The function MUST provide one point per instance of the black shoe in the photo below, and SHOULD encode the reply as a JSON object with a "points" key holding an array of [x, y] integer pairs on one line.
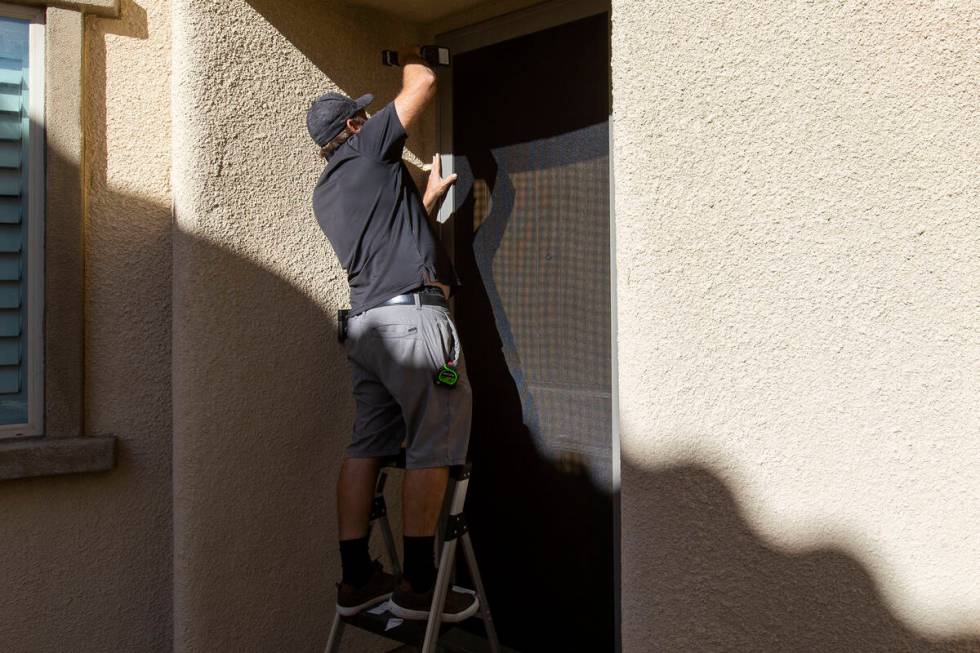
{"points": [[351, 600], [411, 605]]}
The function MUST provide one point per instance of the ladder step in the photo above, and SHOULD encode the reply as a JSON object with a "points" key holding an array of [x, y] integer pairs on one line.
{"points": [[406, 631], [456, 640], [450, 637]]}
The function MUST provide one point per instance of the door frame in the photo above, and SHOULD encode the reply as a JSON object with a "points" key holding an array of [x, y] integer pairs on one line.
{"points": [[494, 30], [489, 32]]}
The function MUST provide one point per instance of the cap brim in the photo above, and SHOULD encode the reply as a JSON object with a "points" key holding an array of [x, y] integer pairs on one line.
{"points": [[364, 100]]}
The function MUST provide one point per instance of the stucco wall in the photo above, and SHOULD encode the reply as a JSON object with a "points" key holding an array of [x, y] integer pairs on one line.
{"points": [[799, 325], [262, 403], [798, 332], [86, 562]]}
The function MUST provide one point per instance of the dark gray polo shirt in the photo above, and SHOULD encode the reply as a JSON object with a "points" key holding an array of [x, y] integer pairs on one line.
{"points": [[367, 204]]}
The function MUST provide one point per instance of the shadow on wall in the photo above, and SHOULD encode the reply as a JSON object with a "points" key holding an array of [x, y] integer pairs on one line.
{"points": [[87, 558], [97, 570], [254, 560], [712, 583], [329, 34], [256, 532], [263, 406], [715, 585]]}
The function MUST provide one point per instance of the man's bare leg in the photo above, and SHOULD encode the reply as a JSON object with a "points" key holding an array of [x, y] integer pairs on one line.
{"points": [[355, 491], [423, 493], [422, 498]]}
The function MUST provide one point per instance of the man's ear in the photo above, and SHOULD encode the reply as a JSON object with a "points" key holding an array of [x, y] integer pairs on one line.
{"points": [[354, 125]]}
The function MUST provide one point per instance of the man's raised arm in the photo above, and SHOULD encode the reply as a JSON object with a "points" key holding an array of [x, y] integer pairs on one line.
{"points": [[418, 86]]}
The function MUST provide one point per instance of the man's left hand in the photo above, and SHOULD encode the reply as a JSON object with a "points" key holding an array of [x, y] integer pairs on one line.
{"points": [[437, 185]]}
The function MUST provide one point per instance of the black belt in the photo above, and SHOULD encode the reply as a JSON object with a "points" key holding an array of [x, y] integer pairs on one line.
{"points": [[427, 295]]}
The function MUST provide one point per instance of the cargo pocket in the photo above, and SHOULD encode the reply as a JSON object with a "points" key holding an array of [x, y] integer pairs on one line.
{"points": [[455, 348], [437, 337]]}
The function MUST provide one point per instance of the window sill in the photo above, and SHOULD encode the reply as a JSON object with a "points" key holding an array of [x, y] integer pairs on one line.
{"points": [[28, 457]]}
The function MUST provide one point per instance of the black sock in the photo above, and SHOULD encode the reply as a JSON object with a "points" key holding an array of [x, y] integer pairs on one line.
{"points": [[420, 569], [355, 559]]}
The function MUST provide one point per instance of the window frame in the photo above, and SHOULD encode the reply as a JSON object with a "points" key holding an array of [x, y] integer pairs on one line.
{"points": [[34, 274]]}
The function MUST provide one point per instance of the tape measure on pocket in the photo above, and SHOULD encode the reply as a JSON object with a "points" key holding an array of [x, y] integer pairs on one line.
{"points": [[446, 376]]}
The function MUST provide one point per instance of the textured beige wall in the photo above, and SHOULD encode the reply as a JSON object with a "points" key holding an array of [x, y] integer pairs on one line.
{"points": [[64, 310], [797, 304], [799, 325], [86, 562], [262, 403]]}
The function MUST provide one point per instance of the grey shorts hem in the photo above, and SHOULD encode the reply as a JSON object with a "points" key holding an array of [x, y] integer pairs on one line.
{"points": [[430, 464], [349, 453]]}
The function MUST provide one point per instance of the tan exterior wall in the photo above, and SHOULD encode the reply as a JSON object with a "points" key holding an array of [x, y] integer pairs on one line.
{"points": [[796, 216], [262, 403], [797, 327], [86, 562]]}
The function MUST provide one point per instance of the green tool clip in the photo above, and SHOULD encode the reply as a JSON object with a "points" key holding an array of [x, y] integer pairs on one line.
{"points": [[447, 376]]}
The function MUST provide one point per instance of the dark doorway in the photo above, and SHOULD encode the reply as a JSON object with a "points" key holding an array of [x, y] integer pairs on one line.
{"points": [[531, 245]]}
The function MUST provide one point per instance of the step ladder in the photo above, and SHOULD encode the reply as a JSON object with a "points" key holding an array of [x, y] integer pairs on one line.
{"points": [[452, 530]]}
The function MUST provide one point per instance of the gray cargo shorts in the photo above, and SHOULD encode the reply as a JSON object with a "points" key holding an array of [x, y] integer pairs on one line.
{"points": [[394, 353]]}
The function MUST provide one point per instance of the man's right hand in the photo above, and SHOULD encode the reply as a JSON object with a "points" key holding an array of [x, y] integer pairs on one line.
{"points": [[409, 53]]}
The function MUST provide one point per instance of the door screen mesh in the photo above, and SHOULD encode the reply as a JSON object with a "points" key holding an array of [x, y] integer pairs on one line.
{"points": [[541, 244], [531, 246]]}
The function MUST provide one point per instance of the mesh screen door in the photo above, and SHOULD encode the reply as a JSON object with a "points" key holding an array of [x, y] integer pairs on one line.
{"points": [[531, 244]]}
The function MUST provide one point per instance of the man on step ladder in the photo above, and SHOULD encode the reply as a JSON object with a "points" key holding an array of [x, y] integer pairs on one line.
{"points": [[409, 377]]}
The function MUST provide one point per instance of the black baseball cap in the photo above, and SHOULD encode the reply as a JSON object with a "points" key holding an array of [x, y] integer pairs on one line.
{"points": [[328, 114]]}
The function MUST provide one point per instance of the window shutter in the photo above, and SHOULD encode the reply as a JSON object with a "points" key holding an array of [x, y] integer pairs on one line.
{"points": [[14, 131]]}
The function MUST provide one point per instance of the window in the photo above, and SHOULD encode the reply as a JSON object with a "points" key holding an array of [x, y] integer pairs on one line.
{"points": [[21, 220]]}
